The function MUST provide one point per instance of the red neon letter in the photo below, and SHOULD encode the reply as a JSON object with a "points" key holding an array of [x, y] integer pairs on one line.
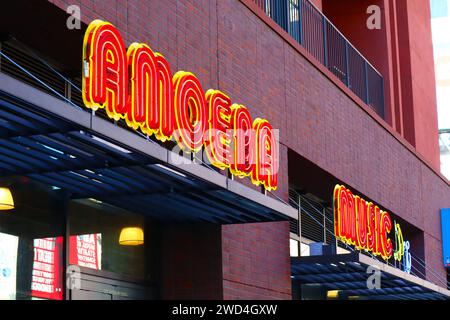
{"points": [[377, 249], [219, 140], [336, 207], [243, 141], [190, 111], [265, 168], [351, 218], [143, 110], [385, 228], [361, 221], [151, 100], [105, 76], [371, 235], [343, 215], [165, 98]]}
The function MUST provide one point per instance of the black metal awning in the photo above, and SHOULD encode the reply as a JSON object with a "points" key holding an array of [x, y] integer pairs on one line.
{"points": [[347, 274], [65, 147]]}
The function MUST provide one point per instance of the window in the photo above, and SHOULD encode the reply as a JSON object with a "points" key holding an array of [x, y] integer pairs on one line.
{"points": [[305, 250], [95, 229], [299, 248], [31, 243], [294, 247]]}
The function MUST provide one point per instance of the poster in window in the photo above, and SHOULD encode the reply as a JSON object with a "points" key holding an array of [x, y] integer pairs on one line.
{"points": [[86, 251], [47, 269]]}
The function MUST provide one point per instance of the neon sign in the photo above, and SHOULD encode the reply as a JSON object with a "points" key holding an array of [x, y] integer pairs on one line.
{"points": [[137, 85], [401, 252], [361, 223], [364, 225]]}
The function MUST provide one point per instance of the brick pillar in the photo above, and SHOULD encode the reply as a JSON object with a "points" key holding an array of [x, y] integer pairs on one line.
{"points": [[191, 262], [240, 261], [256, 261]]}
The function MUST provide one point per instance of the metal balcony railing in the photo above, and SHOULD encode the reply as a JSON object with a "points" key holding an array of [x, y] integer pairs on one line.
{"points": [[313, 31]]}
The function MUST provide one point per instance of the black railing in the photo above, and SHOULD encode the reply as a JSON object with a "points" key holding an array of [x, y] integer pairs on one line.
{"points": [[313, 31]]}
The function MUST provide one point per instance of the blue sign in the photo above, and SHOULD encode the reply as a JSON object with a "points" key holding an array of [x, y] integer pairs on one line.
{"points": [[445, 220]]}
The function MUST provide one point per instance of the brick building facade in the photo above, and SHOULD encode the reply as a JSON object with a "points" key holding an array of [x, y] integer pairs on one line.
{"points": [[234, 46]]}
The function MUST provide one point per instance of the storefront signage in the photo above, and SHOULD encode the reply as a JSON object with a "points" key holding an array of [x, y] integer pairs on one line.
{"points": [[364, 225], [361, 223], [47, 269], [86, 250], [445, 222], [137, 85]]}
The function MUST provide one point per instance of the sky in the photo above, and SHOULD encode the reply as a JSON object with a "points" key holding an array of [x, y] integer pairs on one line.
{"points": [[440, 22], [441, 43]]}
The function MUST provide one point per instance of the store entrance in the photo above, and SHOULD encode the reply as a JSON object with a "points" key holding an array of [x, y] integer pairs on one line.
{"points": [[94, 287], [53, 247], [108, 257]]}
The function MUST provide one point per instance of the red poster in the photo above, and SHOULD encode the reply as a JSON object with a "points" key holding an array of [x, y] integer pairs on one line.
{"points": [[85, 251], [46, 280]]}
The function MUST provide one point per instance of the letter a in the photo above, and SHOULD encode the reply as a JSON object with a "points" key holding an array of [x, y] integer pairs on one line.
{"points": [[374, 21]]}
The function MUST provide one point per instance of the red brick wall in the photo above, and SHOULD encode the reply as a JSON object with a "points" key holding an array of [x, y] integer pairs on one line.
{"points": [[317, 3], [232, 49], [350, 18], [406, 27], [204, 261], [256, 263], [191, 262], [418, 77]]}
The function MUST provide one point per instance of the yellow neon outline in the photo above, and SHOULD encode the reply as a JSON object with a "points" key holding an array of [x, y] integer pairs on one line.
{"points": [[163, 108], [398, 254], [336, 191]]}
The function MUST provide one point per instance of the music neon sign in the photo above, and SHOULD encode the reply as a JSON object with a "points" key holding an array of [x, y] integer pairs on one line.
{"points": [[361, 223], [136, 84]]}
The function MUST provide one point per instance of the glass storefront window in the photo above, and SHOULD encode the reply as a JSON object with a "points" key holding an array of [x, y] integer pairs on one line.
{"points": [[8, 266], [31, 243], [95, 229]]}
